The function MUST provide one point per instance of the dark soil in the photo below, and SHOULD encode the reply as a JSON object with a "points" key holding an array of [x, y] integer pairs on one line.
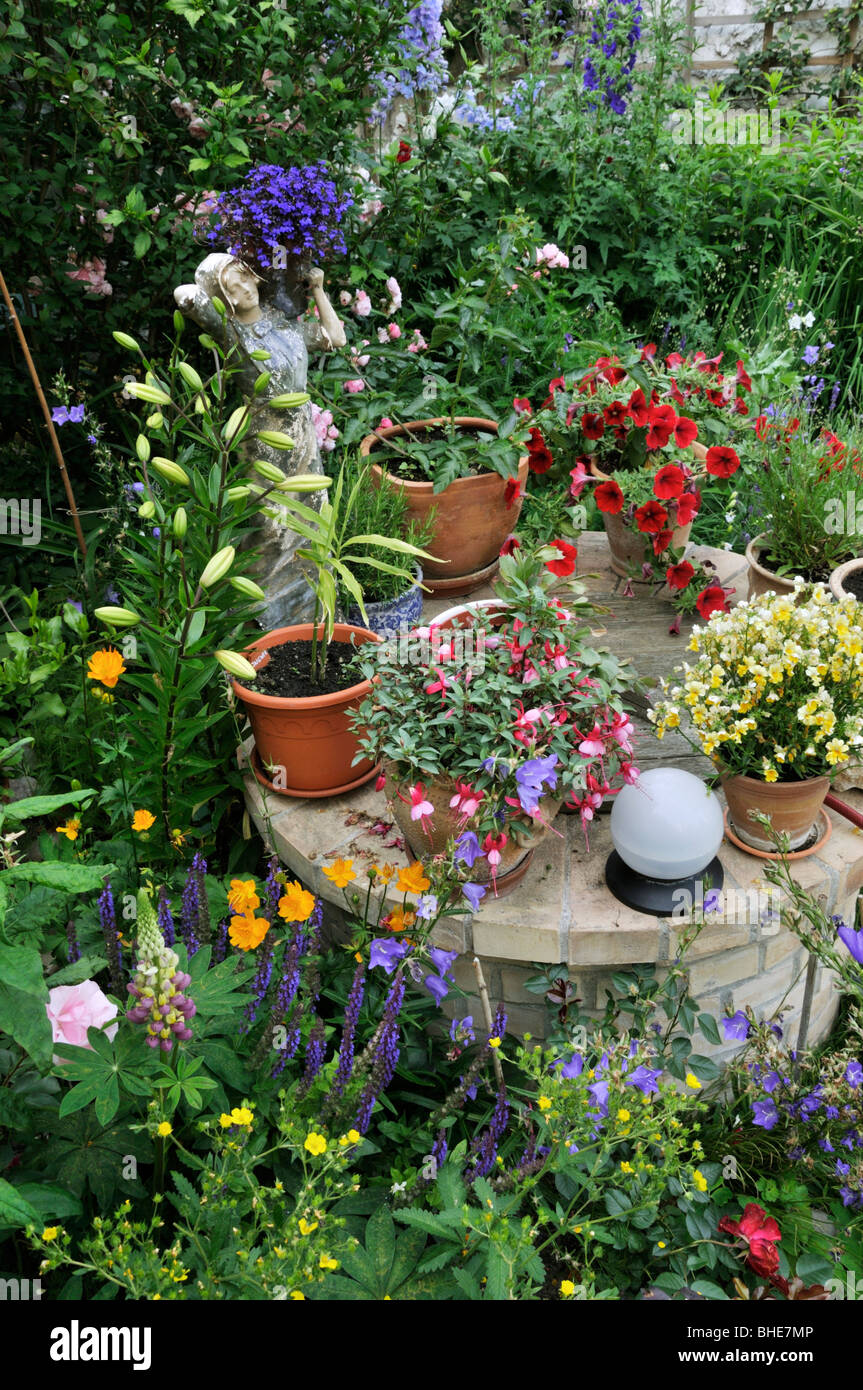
{"points": [[287, 671], [407, 469], [853, 584]]}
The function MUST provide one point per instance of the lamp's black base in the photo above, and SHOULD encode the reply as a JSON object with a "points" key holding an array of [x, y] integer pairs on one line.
{"points": [[661, 897]]}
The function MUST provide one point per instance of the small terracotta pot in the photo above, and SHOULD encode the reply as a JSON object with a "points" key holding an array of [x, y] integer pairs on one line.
{"points": [[523, 835], [762, 580], [837, 587], [310, 737], [629, 548], [472, 520], [792, 807]]}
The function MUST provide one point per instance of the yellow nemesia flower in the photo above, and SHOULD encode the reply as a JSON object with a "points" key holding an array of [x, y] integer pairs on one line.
{"points": [[142, 820], [341, 873], [315, 1144], [70, 829], [413, 879], [106, 666], [297, 904]]}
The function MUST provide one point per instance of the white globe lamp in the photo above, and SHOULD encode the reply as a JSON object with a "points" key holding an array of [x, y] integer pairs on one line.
{"points": [[666, 829]]}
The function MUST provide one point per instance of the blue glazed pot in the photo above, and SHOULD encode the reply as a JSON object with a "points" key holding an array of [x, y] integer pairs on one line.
{"points": [[386, 618]]}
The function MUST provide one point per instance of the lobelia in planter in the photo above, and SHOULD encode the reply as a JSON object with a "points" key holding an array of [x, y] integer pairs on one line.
{"points": [[305, 745]]}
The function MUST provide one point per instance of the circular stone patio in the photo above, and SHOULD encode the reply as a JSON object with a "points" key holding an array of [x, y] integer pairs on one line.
{"points": [[562, 914]]}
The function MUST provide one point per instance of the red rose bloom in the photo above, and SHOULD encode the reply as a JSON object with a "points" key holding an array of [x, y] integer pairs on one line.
{"points": [[521, 405], [609, 497], [662, 420], [566, 564], [687, 507], [539, 455], [616, 414], [669, 481], [592, 426], [685, 431], [651, 518], [638, 408], [510, 545], [404, 153], [722, 461], [760, 1232], [711, 600], [511, 492], [743, 379], [678, 576]]}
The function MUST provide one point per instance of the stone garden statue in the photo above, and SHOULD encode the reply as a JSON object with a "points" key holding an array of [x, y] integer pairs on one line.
{"points": [[274, 325]]}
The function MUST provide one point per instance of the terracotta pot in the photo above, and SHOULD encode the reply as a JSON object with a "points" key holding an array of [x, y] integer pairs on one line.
{"points": [[792, 807], [629, 548], [837, 587], [523, 834], [762, 580], [309, 738], [472, 520]]}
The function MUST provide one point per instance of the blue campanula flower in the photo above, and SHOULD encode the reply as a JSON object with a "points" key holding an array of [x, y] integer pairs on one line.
{"points": [[736, 1028]]}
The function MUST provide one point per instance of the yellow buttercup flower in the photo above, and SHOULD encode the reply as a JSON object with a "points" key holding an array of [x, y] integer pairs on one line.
{"points": [[413, 879], [243, 896], [700, 1180], [341, 873], [105, 666], [567, 1288], [164, 1130], [544, 1103], [315, 1144], [306, 1227], [51, 1233], [692, 1081], [240, 1115], [142, 820], [71, 828], [296, 904]]}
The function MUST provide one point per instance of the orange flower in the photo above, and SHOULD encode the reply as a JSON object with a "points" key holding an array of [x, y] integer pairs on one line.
{"points": [[106, 666], [242, 895], [398, 919], [247, 932], [142, 820], [341, 873], [297, 904], [385, 872], [70, 829], [412, 879]]}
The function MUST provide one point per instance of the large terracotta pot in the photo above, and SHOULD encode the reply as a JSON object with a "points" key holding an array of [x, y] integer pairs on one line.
{"points": [[523, 834], [793, 807], [472, 520], [305, 746], [837, 579], [762, 580]]}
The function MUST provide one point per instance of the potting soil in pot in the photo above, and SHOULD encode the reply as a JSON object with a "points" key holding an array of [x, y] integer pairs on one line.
{"points": [[287, 671], [853, 584]]}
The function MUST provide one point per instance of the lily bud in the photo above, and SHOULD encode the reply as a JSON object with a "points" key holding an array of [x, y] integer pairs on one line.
{"points": [[240, 415], [155, 421], [141, 391], [217, 567], [276, 439], [170, 470], [236, 664], [125, 341], [290, 400], [270, 471], [146, 509], [180, 523], [237, 494], [190, 376], [142, 448], [248, 587], [116, 617]]}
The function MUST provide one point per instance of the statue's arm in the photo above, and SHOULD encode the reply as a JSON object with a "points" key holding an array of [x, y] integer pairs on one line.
{"points": [[195, 304], [332, 329]]}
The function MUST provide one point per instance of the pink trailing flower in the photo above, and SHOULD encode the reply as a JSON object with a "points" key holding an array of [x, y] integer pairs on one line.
{"points": [[353, 386], [630, 773], [466, 801], [386, 423], [421, 808], [92, 274], [393, 331], [381, 781], [492, 847], [594, 745], [621, 731], [580, 478], [440, 684], [524, 729]]}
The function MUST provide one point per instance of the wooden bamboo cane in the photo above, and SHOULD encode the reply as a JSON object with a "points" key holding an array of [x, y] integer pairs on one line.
{"points": [[58, 453]]}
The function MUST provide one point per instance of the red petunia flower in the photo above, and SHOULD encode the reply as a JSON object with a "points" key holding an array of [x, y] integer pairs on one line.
{"points": [[521, 405], [609, 497], [638, 408], [678, 576], [721, 461], [661, 420], [556, 385], [715, 396], [673, 360], [539, 454], [648, 352], [687, 507], [662, 540], [676, 394], [592, 426], [711, 600], [609, 371], [511, 492], [616, 414], [743, 378], [669, 481], [404, 153], [740, 407], [566, 564], [707, 364], [651, 518], [792, 427], [685, 431], [510, 545]]}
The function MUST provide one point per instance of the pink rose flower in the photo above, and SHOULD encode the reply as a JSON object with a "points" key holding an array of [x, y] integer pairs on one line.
{"points": [[395, 294], [345, 298], [362, 304], [352, 387], [386, 423], [394, 331], [72, 1009]]}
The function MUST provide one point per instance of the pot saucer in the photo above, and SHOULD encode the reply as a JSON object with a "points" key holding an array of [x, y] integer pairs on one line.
{"points": [[824, 827], [464, 583], [257, 768]]}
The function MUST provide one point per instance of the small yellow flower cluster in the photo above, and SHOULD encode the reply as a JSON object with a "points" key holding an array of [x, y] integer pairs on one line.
{"points": [[777, 689]]}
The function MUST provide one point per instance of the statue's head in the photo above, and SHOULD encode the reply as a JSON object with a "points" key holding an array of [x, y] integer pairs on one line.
{"points": [[222, 275]]}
